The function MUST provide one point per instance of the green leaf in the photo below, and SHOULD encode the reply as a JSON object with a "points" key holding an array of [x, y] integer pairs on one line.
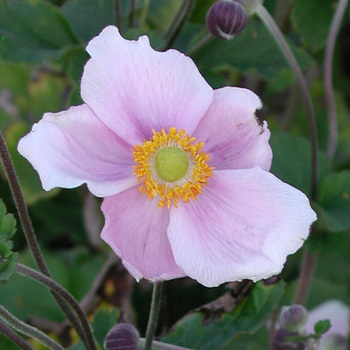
{"points": [[312, 19], [8, 266], [88, 18], [334, 198], [253, 50], [321, 327], [33, 31], [292, 161], [103, 321], [249, 315], [7, 223], [14, 77]]}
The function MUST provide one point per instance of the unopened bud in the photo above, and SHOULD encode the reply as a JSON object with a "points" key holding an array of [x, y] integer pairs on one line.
{"points": [[122, 336], [293, 318], [227, 18]]}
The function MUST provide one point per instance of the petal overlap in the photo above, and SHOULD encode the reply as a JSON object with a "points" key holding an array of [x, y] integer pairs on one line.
{"points": [[134, 89], [243, 226], [231, 132], [135, 228], [74, 147]]}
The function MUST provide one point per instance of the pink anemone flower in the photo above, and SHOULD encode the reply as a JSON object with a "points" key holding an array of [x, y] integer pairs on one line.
{"points": [[183, 168]]}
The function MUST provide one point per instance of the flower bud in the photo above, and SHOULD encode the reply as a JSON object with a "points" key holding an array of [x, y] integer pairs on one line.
{"points": [[122, 336], [227, 18], [293, 318]]}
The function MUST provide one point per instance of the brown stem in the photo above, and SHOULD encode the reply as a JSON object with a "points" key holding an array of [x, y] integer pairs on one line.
{"points": [[29, 231], [304, 283], [14, 337]]}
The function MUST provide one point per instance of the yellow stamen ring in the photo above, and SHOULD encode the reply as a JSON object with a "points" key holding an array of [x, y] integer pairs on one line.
{"points": [[159, 178]]}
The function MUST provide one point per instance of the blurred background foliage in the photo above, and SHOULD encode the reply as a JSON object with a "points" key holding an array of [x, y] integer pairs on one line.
{"points": [[42, 55]]}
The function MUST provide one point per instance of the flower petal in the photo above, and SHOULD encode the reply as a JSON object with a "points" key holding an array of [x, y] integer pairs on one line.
{"points": [[74, 147], [232, 134], [134, 89], [135, 229], [243, 225]]}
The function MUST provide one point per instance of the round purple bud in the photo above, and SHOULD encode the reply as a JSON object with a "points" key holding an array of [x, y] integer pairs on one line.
{"points": [[293, 318], [122, 336], [226, 18]]}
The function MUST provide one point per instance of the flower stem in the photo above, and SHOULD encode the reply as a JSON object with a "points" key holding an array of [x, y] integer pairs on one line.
{"points": [[162, 346], [270, 24], [304, 283], [28, 330], [328, 63], [29, 231], [14, 337], [58, 289], [132, 13], [154, 314], [118, 15], [144, 13], [179, 21]]}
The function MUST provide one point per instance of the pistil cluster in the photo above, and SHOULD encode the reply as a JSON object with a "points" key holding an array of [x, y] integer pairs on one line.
{"points": [[152, 175]]}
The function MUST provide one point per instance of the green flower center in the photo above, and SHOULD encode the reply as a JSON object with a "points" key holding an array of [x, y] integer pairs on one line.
{"points": [[171, 163]]}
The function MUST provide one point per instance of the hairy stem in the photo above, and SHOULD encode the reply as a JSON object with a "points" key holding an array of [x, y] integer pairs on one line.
{"points": [[154, 314], [328, 63], [283, 45], [58, 289], [179, 21], [14, 337], [29, 231], [162, 346], [30, 331]]}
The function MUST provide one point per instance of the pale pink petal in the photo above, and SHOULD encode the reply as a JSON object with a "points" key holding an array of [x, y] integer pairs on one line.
{"points": [[135, 229], [232, 134], [339, 315], [134, 89], [74, 147], [243, 225]]}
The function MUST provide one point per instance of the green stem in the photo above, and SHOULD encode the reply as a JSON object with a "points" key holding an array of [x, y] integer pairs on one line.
{"points": [[162, 346], [29, 231], [270, 24], [179, 21], [28, 330], [328, 63], [14, 337], [144, 14], [59, 290], [154, 314]]}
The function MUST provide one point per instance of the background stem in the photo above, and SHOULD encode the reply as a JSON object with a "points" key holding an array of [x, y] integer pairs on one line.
{"points": [[154, 314], [29, 231], [328, 64], [282, 43], [144, 13], [28, 330], [57, 288], [14, 337]]}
